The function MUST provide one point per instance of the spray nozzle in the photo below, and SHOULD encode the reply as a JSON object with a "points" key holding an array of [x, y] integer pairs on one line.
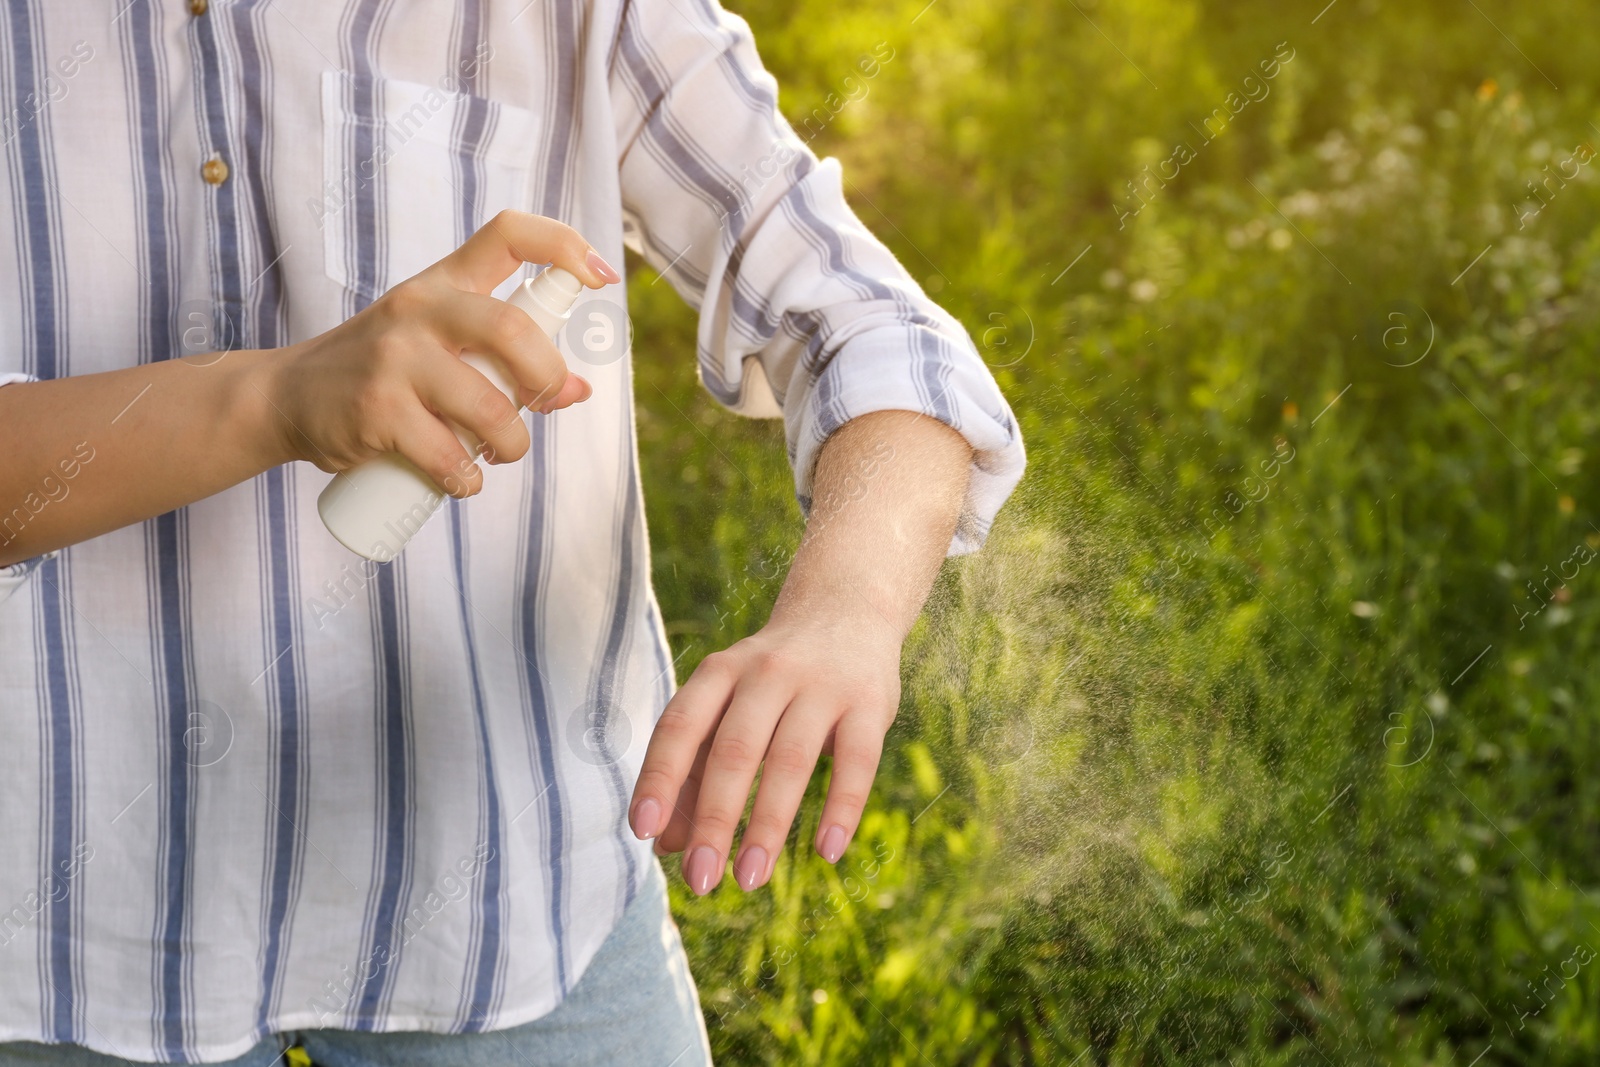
{"points": [[554, 289]]}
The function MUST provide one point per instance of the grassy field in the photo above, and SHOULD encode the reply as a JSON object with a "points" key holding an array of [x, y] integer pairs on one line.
{"points": [[1264, 730]]}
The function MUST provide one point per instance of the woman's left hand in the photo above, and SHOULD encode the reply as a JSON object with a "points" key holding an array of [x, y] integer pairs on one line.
{"points": [[777, 700]]}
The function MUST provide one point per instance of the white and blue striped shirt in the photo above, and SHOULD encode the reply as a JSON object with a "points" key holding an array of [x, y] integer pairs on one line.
{"points": [[250, 783]]}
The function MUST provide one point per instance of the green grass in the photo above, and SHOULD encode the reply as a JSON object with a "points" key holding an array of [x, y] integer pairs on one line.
{"points": [[1281, 776]]}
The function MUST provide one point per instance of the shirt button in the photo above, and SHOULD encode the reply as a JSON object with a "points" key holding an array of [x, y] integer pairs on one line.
{"points": [[198, 7], [214, 170]]}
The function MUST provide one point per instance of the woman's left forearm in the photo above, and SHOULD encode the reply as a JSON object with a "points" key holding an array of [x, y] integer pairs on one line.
{"points": [[823, 676], [887, 493]]}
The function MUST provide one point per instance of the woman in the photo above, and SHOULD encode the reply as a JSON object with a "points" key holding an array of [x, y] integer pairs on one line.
{"points": [[263, 793]]}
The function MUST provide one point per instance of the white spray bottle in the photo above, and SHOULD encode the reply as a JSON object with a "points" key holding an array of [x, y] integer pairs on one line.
{"points": [[375, 508]]}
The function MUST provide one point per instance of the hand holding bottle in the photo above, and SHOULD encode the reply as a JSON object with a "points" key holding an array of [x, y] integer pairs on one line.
{"points": [[391, 380]]}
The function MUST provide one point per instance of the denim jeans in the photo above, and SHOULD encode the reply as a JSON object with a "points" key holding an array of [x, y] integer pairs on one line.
{"points": [[636, 1004]]}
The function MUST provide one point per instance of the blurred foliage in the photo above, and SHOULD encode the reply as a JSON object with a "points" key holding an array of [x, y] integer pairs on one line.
{"points": [[1257, 732]]}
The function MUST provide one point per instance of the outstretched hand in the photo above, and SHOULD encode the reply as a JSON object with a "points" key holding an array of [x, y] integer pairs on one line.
{"points": [[823, 676], [800, 687]]}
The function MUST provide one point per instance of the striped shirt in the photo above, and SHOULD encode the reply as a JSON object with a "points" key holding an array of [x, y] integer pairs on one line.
{"points": [[250, 782]]}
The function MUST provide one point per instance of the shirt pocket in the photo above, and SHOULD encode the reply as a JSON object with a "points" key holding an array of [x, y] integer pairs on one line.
{"points": [[409, 170]]}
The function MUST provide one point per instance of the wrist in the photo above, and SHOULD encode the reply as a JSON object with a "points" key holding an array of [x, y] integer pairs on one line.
{"points": [[258, 401], [857, 611]]}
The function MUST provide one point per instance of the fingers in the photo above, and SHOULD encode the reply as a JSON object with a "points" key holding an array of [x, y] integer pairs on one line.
{"points": [[432, 446], [513, 238], [790, 759], [741, 741], [857, 747], [743, 711], [575, 389], [680, 825], [690, 717], [459, 393], [481, 324]]}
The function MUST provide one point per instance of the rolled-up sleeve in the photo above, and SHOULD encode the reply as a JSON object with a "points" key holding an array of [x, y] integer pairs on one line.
{"points": [[802, 311], [13, 577]]}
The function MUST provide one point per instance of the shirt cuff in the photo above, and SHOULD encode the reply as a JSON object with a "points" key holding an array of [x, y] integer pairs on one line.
{"points": [[13, 577], [924, 370]]}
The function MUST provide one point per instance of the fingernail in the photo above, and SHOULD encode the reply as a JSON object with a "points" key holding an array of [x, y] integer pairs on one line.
{"points": [[602, 268], [588, 389], [646, 818], [703, 870], [750, 868], [832, 844]]}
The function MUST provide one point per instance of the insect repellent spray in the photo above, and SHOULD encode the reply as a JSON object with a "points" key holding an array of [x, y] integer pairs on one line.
{"points": [[376, 507]]}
